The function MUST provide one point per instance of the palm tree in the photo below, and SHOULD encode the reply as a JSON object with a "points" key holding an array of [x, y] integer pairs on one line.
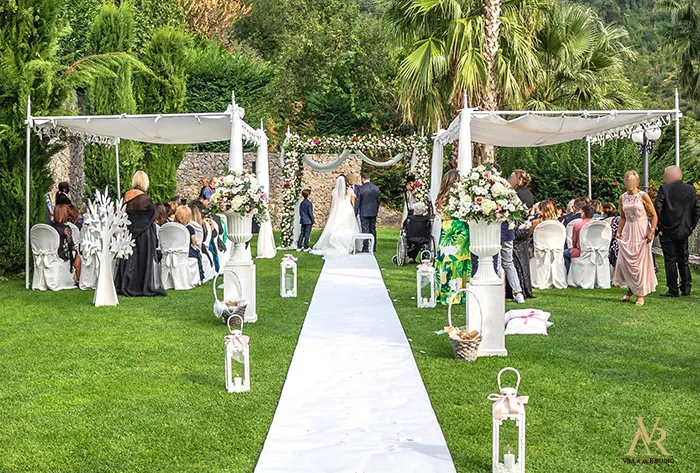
{"points": [[582, 61], [684, 36], [451, 48]]}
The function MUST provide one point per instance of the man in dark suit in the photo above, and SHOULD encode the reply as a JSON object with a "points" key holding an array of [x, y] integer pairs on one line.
{"points": [[367, 207], [306, 219], [679, 211]]}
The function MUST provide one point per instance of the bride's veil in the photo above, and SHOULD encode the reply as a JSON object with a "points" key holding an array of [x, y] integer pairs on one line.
{"points": [[339, 194]]}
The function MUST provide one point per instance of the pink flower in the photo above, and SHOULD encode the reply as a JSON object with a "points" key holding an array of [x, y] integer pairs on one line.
{"points": [[354, 138], [416, 184], [487, 175], [478, 200], [287, 185], [317, 141]]}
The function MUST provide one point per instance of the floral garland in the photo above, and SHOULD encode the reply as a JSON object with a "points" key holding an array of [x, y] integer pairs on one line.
{"points": [[296, 147]]}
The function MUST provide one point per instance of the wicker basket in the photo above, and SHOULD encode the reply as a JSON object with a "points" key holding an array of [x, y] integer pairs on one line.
{"points": [[465, 349], [221, 310]]}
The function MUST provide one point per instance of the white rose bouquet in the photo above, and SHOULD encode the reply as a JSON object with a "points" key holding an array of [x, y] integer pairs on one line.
{"points": [[239, 192], [483, 195]]}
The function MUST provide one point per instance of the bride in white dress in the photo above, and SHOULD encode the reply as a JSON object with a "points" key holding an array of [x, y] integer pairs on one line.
{"points": [[342, 225]]}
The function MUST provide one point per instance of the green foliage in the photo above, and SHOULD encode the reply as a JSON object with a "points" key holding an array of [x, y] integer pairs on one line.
{"points": [[214, 73], [150, 16], [28, 66], [77, 16], [112, 32], [167, 55]]}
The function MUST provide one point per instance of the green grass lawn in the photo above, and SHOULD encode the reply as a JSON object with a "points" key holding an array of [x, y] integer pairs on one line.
{"points": [[140, 388], [603, 364]]}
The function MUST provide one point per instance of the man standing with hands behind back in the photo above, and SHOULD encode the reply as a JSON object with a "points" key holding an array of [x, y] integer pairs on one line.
{"points": [[679, 211], [367, 207]]}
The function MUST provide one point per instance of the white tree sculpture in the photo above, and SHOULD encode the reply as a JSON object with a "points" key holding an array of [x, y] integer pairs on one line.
{"points": [[108, 236]]}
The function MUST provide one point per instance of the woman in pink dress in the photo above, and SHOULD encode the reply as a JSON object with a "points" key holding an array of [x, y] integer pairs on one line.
{"points": [[635, 264]]}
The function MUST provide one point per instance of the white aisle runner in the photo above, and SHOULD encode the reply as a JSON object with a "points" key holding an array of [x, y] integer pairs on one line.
{"points": [[353, 401]]}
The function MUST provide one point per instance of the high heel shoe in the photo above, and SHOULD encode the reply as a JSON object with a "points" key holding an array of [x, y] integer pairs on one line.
{"points": [[640, 302]]}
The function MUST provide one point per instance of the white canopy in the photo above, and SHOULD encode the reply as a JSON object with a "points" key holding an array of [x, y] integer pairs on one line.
{"points": [[531, 129]]}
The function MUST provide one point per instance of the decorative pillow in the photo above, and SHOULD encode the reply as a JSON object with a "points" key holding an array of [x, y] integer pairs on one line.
{"points": [[527, 322]]}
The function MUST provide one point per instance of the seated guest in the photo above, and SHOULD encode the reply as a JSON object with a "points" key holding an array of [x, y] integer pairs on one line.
{"points": [[162, 214], [575, 250], [598, 213], [612, 219], [575, 214], [418, 230], [74, 217], [136, 276], [547, 211], [67, 250], [62, 194], [183, 216]]}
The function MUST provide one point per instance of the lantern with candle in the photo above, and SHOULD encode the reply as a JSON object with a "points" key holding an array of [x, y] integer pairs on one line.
{"points": [[237, 357], [425, 285], [288, 276], [508, 406]]}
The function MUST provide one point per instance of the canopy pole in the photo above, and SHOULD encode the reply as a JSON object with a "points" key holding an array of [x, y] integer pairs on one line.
{"points": [[235, 158], [26, 193], [590, 177], [678, 129], [464, 157], [116, 154]]}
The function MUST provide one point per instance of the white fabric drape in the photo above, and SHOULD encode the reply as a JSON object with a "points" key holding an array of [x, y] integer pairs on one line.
{"points": [[266, 237], [436, 165], [328, 167]]}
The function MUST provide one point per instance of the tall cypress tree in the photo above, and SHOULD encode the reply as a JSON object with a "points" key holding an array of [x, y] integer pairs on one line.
{"points": [[112, 32], [167, 54], [28, 66]]}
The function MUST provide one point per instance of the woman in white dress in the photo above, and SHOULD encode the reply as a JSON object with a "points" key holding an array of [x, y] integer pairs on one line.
{"points": [[337, 236]]}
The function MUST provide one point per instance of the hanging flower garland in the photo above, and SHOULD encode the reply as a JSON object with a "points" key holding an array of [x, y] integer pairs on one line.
{"points": [[296, 147]]}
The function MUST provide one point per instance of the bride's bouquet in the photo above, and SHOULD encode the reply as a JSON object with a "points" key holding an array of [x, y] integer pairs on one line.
{"points": [[483, 195], [239, 192]]}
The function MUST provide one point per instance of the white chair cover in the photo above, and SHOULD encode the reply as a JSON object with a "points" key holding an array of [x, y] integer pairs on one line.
{"points": [[177, 270], [207, 264], [570, 233], [90, 263], [50, 271], [547, 267], [77, 235], [592, 268]]}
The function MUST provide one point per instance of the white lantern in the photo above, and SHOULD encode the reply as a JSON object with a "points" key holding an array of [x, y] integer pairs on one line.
{"points": [[425, 285], [237, 358], [508, 406], [288, 276]]}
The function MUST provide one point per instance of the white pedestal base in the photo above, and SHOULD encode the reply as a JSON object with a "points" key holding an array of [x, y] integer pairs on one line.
{"points": [[245, 270], [491, 296]]}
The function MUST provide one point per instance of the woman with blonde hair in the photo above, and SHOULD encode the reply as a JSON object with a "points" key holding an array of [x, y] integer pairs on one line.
{"points": [[635, 264], [137, 275], [453, 260]]}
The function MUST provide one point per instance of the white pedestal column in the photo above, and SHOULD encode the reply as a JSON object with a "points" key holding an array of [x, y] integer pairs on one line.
{"points": [[241, 263], [487, 287]]}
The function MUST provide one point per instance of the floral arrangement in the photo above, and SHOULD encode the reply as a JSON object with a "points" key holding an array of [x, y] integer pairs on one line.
{"points": [[296, 146], [239, 192], [483, 195]]}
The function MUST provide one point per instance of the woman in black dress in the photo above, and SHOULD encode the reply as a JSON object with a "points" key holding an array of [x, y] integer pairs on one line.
{"points": [[67, 249], [62, 194], [136, 276], [520, 180]]}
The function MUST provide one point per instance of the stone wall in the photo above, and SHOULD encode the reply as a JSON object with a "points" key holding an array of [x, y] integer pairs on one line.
{"points": [[196, 166]]}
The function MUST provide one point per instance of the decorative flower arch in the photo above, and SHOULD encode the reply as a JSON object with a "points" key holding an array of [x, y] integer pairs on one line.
{"points": [[296, 148]]}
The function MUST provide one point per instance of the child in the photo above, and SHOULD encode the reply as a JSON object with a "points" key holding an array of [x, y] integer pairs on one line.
{"points": [[306, 218]]}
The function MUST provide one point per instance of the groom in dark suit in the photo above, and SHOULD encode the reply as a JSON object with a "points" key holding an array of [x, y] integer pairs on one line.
{"points": [[679, 211], [367, 207]]}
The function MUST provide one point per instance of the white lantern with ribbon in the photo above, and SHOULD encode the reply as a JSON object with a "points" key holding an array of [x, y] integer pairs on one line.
{"points": [[288, 276], [237, 358], [425, 285], [508, 406]]}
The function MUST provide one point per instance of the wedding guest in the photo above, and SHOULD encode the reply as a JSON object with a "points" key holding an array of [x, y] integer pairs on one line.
{"points": [[206, 191], [587, 214], [67, 249], [575, 213], [520, 180], [597, 210], [417, 230], [508, 263], [453, 260], [547, 211], [136, 276], [635, 265], [409, 195], [612, 219], [75, 217], [201, 233], [183, 216], [162, 214], [62, 197], [679, 211], [306, 218]]}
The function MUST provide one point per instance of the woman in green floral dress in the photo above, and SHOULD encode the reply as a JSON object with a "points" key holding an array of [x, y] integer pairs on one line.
{"points": [[453, 261]]}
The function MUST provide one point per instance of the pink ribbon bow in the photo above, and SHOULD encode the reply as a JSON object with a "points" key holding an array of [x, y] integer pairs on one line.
{"points": [[425, 268], [507, 403], [238, 340], [526, 317]]}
